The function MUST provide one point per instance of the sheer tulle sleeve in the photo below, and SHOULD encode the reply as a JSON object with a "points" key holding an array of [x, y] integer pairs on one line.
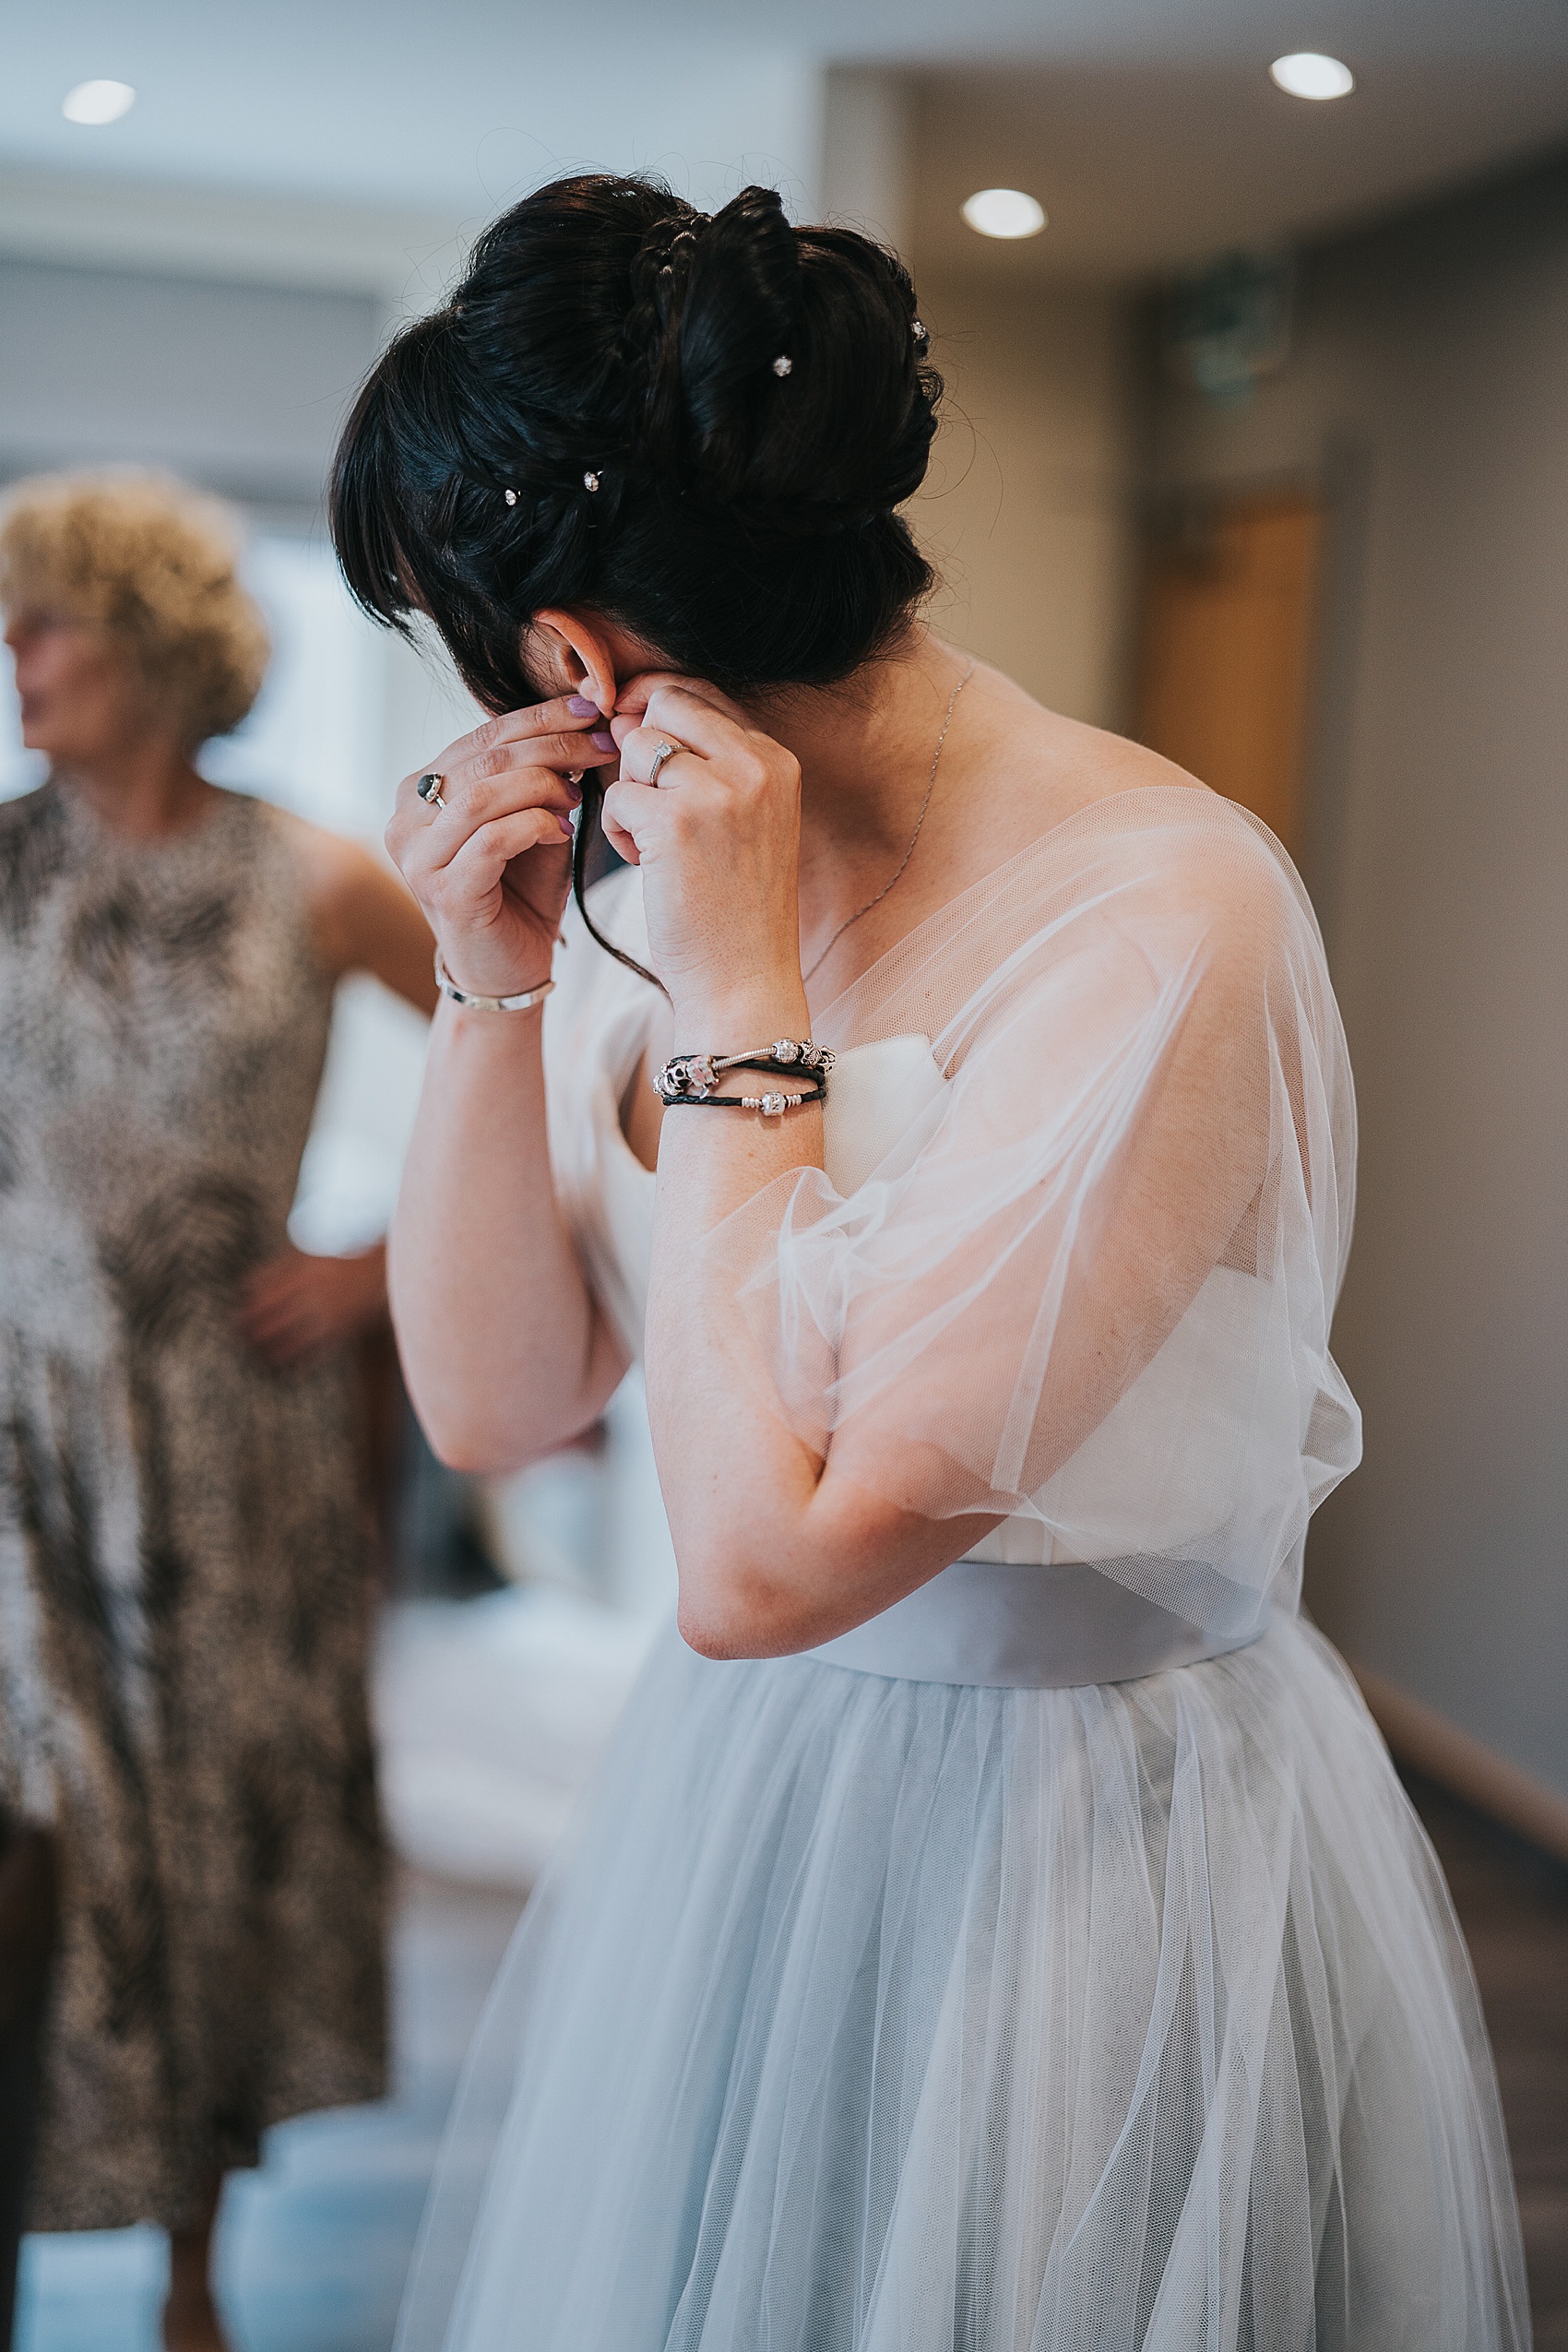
{"points": [[1090, 1287]]}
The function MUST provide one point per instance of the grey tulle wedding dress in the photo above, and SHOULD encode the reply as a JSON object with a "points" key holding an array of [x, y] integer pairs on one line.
{"points": [[1053, 1964]]}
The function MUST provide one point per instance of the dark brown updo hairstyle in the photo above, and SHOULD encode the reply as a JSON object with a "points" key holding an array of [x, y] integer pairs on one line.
{"points": [[700, 428]]}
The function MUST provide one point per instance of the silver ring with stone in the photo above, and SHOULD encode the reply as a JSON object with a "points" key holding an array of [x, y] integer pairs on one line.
{"points": [[661, 752], [428, 790]]}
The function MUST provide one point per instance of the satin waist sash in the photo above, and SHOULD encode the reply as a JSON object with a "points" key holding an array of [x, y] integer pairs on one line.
{"points": [[1026, 1628]]}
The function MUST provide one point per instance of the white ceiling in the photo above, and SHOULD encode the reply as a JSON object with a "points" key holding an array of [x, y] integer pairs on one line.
{"points": [[1142, 168], [399, 102], [1148, 127]]}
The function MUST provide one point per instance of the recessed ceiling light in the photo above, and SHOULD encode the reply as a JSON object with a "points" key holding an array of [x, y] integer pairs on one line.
{"points": [[98, 102], [1304, 74], [1004, 212]]}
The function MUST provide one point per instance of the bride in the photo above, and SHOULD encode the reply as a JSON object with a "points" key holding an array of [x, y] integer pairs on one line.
{"points": [[999, 1925]]}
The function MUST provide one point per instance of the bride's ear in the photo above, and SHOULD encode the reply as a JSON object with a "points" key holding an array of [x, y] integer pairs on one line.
{"points": [[573, 652]]}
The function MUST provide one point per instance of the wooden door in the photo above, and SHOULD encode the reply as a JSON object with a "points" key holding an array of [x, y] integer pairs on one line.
{"points": [[1227, 653]]}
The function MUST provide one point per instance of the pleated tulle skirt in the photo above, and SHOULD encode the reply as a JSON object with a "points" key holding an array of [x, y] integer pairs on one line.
{"points": [[869, 2015]]}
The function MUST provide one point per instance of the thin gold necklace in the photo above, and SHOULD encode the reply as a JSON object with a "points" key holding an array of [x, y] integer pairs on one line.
{"points": [[806, 977]]}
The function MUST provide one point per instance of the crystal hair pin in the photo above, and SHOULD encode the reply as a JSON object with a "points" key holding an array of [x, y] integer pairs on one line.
{"points": [[918, 331], [590, 480], [782, 364]]}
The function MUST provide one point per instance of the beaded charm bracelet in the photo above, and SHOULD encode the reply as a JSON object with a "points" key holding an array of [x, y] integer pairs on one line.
{"points": [[691, 1078]]}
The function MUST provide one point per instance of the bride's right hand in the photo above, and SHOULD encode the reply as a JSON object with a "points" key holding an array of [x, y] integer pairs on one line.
{"points": [[491, 870]]}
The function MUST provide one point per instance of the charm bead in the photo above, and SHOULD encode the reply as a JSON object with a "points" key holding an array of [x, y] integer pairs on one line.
{"points": [[774, 1106], [688, 1076]]}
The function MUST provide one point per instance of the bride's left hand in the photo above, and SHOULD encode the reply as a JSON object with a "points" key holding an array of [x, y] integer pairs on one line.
{"points": [[718, 844]]}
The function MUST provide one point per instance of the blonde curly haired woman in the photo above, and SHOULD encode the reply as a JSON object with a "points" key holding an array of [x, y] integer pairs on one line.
{"points": [[184, 1585]]}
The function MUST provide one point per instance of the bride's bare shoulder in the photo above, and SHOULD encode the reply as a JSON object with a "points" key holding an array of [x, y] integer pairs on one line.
{"points": [[1035, 769], [1023, 771], [1053, 766]]}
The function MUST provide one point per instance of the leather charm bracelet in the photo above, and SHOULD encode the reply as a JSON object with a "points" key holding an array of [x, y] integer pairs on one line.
{"points": [[772, 1104], [692, 1078]]}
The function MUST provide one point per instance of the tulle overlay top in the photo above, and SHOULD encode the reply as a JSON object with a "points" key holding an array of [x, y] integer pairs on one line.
{"points": [[1055, 1964], [1090, 1156]]}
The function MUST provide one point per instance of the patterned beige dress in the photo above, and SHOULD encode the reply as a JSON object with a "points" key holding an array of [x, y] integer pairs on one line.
{"points": [[184, 1584]]}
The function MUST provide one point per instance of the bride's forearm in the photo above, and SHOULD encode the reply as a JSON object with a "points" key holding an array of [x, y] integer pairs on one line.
{"points": [[775, 1552], [505, 1352], [778, 1550]]}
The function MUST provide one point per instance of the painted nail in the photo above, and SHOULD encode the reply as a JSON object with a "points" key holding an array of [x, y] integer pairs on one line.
{"points": [[581, 707], [602, 740], [565, 822]]}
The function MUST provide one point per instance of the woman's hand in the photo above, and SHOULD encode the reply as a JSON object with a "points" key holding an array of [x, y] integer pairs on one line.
{"points": [[296, 1309], [493, 868], [718, 844]]}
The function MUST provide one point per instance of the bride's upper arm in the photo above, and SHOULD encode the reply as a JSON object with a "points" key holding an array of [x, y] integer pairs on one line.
{"points": [[1109, 1137]]}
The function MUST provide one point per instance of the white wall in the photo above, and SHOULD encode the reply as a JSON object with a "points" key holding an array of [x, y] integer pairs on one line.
{"points": [[1029, 512], [241, 385], [1431, 386], [868, 158]]}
